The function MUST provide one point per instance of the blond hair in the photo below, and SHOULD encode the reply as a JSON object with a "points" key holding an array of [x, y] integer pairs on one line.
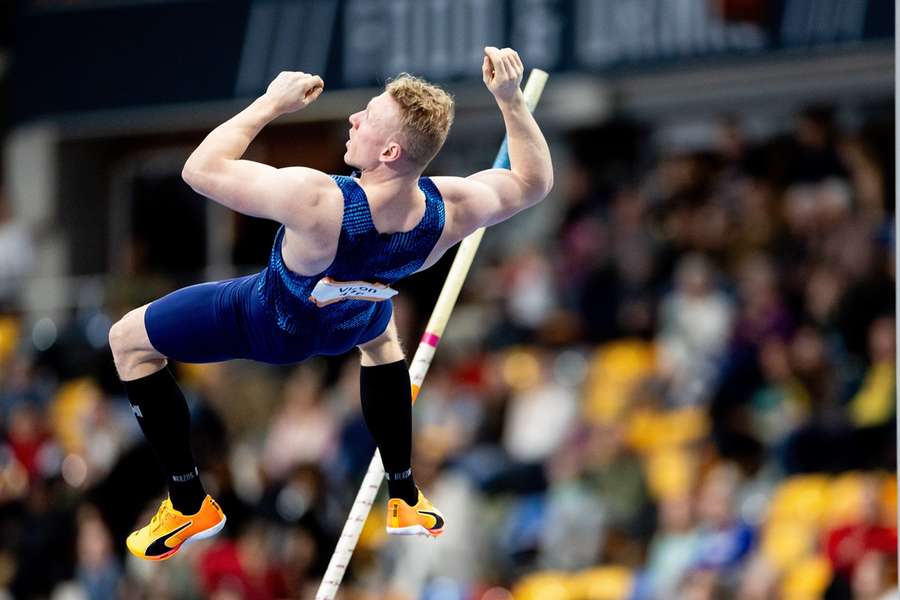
{"points": [[426, 113]]}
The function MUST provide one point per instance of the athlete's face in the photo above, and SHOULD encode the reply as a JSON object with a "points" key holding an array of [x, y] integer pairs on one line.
{"points": [[373, 134]]}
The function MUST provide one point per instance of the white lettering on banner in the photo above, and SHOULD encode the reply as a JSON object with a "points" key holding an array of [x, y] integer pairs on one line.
{"points": [[614, 31], [434, 38], [443, 39]]}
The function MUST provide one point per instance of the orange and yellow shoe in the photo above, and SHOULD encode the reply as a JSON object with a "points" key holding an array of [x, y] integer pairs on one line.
{"points": [[169, 530], [421, 519]]}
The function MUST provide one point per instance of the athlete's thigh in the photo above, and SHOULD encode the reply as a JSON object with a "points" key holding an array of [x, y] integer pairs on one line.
{"points": [[383, 349], [201, 323]]}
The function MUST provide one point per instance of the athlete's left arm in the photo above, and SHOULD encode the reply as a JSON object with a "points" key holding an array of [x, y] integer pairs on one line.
{"points": [[216, 170], [497, 194]]}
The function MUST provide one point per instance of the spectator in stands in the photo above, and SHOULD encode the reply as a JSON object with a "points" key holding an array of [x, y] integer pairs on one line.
{"points": [[848, 545], [724, 539], [673, 550], [99, 573], [694, 326]]}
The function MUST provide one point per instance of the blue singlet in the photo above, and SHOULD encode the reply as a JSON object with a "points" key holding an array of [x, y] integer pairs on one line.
{"points": [[268, 316]]}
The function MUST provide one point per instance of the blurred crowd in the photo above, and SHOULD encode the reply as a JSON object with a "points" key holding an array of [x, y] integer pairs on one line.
{"points": [[687, 391]]}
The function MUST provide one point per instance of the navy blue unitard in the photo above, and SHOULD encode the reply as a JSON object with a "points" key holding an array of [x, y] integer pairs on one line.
{"points": [[268, 316]]}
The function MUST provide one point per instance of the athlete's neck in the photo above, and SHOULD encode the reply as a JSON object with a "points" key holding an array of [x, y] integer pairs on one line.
{"points": [[388, 172], [395, 200]]}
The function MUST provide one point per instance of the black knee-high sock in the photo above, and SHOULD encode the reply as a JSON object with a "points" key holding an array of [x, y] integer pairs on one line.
{"points": [[387, 408], [163, 415]]}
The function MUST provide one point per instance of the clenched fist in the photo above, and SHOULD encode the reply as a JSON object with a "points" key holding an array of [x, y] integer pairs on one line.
{"points": [[502, 72], [293, 90]]}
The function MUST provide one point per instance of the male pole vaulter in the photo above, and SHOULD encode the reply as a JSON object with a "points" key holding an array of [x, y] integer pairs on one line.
{"points": [[343, 241]]}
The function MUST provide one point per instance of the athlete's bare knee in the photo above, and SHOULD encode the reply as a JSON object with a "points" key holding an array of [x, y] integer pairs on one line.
{"points": [[118, 338], [382, 350], [122, 335], [133, 364], [132, 353]]}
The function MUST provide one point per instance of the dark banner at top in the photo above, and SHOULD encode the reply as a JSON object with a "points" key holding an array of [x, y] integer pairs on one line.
{"points": [[94, 54]]}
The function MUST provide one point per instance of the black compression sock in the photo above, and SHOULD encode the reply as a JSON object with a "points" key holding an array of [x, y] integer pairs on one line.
{"points": [[386, 396], [403, 486], [163, 415]]}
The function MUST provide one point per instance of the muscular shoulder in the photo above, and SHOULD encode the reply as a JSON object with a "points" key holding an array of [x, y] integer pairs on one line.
{"points": [[314, 197], [307, 184]]}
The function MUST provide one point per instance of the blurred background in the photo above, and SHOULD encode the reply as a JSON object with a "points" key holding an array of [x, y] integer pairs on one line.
{"points": [[674, 378]]}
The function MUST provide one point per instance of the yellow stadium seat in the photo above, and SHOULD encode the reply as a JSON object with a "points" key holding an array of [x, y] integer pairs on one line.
{"points": [[70, 410], [786, 543], [802, 498], [670, 473], [9, 336], [644, 427], [889, 499], [845, 498], [807, 579], [373, 535], [614, 370], [604, 583], [650, 430], [687, 425], [544, 585], [520, 368]]}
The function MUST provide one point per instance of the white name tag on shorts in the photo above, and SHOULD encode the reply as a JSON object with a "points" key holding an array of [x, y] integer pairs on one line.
{"points": [[328, 291]]}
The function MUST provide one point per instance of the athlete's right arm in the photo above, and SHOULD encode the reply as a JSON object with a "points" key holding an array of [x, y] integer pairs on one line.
{"points": [[215, 169]]}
